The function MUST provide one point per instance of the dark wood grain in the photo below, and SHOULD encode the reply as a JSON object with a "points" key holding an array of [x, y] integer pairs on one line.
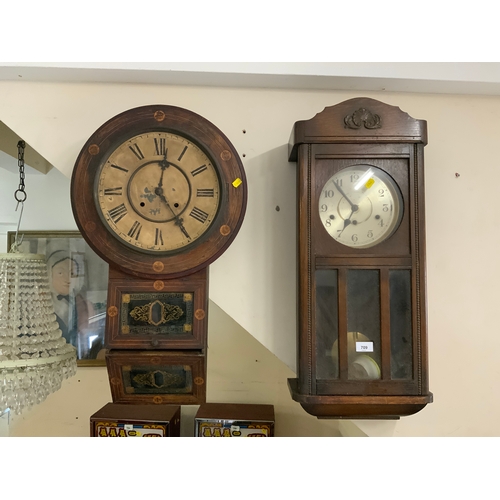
{"points": [[236, 411], [359, 406], [329, 127]]}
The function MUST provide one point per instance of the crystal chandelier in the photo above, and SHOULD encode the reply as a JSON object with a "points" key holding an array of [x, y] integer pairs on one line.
{"points": [[34, 357]]}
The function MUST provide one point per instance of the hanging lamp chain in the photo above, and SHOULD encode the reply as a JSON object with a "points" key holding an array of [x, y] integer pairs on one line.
{"points": [[20, 193]]}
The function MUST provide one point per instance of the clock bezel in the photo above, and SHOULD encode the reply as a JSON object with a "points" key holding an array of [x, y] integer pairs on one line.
{"points": [[210, 140], [393, 189]]}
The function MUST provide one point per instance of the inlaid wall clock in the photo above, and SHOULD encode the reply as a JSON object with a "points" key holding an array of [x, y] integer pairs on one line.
{"points": [[362, 336], [159, 192]]}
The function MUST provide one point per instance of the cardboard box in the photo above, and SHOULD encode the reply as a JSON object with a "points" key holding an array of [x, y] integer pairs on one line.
{"points": [[234, 420], [121, 420]]}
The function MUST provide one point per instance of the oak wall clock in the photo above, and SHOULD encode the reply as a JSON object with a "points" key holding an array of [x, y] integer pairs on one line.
{"points": [[159, 192], [362, 336]]}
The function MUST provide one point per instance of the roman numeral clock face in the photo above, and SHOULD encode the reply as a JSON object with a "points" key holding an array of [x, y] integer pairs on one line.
{"points": [[157, 192]]}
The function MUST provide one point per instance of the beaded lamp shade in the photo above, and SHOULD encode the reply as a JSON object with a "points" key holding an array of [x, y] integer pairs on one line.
{"points": [[34, 357]]}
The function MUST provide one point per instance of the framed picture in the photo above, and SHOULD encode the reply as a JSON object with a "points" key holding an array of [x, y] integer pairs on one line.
{"points": [[79, 282]]}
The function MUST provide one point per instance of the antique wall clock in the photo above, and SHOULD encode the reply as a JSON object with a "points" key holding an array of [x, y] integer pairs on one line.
{"points": [[362, 338], [159, 193]]}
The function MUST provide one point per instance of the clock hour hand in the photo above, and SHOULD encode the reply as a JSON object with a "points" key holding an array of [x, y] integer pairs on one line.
{"points": [[346, 222], [178, 220], [164, 164]]}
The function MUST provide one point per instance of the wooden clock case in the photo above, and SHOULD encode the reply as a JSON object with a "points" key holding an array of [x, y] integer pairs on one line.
{"points": [[360, 131], [155, 357]]}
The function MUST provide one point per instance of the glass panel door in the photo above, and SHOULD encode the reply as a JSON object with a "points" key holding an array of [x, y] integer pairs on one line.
{"points": [[401, 328], [363, 324], [327, 330]]}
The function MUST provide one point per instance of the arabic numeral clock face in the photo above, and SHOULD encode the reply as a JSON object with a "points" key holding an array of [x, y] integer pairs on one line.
{"points": [[157, 192], [360, 206]]}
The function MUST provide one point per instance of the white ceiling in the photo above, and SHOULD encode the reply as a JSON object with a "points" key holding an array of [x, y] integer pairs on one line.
{"points": [[482, 78]]}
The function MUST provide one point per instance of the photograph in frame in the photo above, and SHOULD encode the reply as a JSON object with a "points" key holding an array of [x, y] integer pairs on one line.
{"points": [[78, 280]]}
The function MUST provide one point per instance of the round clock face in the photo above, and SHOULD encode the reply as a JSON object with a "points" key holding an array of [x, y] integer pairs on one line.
{"points": [[360, 206], [157, 192]]}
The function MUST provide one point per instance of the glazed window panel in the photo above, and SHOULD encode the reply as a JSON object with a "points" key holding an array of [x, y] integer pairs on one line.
{"points": [[401, 324], [327, 355], [363, 324]]}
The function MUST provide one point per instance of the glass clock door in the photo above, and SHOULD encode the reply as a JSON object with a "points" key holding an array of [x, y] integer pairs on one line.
{"points": [[363, 325]]}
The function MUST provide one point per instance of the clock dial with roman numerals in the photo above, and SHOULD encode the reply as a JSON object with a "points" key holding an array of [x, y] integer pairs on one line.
{"points": [[157, 192]]}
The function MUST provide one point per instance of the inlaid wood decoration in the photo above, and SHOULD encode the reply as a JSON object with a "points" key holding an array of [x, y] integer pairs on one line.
{"points": [[362, 333], [159, 192]]}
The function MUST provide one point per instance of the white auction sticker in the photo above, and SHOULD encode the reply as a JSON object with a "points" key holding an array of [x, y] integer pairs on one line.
{"points": [[364, 346]]}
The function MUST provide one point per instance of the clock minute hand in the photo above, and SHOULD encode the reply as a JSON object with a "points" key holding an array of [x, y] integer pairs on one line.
{"points": [[178, 220], [353, 206]]}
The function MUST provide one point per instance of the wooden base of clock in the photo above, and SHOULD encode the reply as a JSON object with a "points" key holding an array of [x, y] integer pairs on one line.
{"points": [[157, 377], [358, 407]]}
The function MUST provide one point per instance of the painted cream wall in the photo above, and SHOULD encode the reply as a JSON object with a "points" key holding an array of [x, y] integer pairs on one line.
{"points": [[56, 119], [240, 370]]}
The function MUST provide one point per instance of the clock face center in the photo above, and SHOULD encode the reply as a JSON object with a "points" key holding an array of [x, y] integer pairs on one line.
{"points": [[149, 187], [358, 213]]}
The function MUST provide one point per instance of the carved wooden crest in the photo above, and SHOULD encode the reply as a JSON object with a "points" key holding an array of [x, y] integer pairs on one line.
{"points": [[362, 117]]}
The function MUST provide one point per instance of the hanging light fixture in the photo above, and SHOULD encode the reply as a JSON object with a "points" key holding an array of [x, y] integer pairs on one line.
{"points": [[34, 357]]}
